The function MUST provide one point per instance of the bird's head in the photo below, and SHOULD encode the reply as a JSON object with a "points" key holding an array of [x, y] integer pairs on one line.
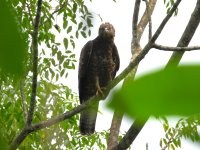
{"points": [[106, 30]]}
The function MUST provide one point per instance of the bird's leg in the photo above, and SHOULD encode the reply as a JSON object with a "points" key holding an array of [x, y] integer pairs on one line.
{"points": [[98, 88]]}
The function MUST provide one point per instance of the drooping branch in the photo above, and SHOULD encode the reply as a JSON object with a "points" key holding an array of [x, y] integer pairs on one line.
{"points": [[35, 63], [169, 48]]}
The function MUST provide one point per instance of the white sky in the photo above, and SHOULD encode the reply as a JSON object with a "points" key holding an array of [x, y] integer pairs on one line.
{"points": [[120, 15]]}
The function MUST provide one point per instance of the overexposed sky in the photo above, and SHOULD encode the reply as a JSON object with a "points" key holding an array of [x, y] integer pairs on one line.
{"points": [[120, 15]]}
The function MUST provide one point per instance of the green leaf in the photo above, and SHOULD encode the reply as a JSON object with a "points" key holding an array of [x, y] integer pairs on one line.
{"points": [[57, 28], [74, 7], [65, 23], [69, 29], [80, 25], [164, 92], [12, 44], [65, 41], [83, 34]]}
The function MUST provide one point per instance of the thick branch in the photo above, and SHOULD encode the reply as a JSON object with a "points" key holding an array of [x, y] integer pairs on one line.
{"points": [[35, 63], [114, 130], [169, 48], [131, 134]]}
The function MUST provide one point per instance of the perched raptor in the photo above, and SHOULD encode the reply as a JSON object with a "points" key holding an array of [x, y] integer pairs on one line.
{"points": [[98, 64]]}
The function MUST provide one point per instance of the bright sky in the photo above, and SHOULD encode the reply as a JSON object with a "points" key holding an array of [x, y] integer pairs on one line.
{"points": [[120, 15]]}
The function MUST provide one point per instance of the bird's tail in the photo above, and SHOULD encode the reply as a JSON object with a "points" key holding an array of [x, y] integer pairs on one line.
{"points": [[88, 119]]}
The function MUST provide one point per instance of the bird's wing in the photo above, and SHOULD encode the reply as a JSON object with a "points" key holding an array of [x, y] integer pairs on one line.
{"points": [[116, 60], [83, 63]]}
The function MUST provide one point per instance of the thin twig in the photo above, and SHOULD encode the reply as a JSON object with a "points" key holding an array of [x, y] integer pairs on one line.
{"points": [[135, 42], [145, 20], [23, 97], [169, 48], [29, 13], [54, 12]]}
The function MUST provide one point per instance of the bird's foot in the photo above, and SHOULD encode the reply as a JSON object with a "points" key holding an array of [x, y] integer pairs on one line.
{"points": [[99, 91]]}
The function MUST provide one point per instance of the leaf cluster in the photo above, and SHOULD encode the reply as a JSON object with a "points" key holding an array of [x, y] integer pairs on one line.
{"points": [[56, 58]]}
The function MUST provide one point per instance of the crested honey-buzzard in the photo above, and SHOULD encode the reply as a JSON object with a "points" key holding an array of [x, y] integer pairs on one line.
{"points": [[98, 64]]}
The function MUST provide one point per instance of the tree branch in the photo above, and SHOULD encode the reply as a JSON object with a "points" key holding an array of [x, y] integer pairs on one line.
{"points": [[35, 63], [130, 136], [23, 99], [114, 130], [149, 19], [35, 127], [169, 48], [187, 36], [29, 13], [57, 10], [145, 19], [135, 41]]}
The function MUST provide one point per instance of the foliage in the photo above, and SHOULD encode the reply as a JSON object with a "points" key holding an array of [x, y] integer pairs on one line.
{"points": [[184, 128], [169, 4], [164, 89], [12, 56], [167, 92], [56, 58]]}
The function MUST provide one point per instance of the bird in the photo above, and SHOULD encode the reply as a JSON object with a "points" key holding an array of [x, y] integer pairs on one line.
{"points": [[98, 63]]}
